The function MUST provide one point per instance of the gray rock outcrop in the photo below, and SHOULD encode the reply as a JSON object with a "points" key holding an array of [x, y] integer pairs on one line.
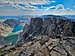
{"points": [[53, 26]]}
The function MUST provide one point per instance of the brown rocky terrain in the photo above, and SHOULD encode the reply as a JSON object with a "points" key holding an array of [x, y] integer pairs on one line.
{"points": [[5, 29]]}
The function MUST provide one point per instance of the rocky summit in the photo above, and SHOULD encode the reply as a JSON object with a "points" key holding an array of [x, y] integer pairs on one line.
{"points": [[51, 36], [51, 26]]}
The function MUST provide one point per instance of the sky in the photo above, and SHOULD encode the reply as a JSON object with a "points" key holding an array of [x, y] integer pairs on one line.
{"points": [[37, 7]]}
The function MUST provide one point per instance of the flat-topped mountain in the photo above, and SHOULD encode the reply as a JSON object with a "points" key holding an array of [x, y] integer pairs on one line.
{"points": [[48, 25]]}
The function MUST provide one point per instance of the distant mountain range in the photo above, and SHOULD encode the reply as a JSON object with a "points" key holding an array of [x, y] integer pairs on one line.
{"points": [[70, 16], [25, 16]]}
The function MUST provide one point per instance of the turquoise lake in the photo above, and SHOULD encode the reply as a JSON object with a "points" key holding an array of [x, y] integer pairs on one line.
{"points": [[12, 37], [17, 28]]}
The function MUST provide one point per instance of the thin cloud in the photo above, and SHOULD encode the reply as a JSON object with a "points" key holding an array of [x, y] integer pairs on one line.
{"points": [[74, 6], [68, 9], [53, 1], [57, 7], [51, 7], [29, 9]]}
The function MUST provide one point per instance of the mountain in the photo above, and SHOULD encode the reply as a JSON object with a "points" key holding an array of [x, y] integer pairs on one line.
{"points": [[12, 22], [5, 29], [49, 37], [70, 16]]}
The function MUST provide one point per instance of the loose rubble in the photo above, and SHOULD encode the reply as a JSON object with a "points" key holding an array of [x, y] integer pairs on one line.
{"points": [[43, 45]]}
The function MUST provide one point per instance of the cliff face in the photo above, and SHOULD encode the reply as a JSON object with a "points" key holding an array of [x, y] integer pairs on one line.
{"points": [[51, 26], [56, 40]]}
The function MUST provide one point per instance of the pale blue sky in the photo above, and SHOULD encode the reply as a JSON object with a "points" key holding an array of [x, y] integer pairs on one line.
{"points": [[56, 7]]}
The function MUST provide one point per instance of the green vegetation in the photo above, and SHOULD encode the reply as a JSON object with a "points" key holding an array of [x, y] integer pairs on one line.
{"points": [[12, 38]]}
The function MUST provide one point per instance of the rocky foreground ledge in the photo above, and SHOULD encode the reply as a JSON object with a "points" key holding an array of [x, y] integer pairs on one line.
{"points": [[53, 36], [43, 45]]}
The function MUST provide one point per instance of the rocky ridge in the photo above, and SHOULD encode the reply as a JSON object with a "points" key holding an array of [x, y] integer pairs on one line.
{"points": [[5, 29], [52, 26], [43, 45]]}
